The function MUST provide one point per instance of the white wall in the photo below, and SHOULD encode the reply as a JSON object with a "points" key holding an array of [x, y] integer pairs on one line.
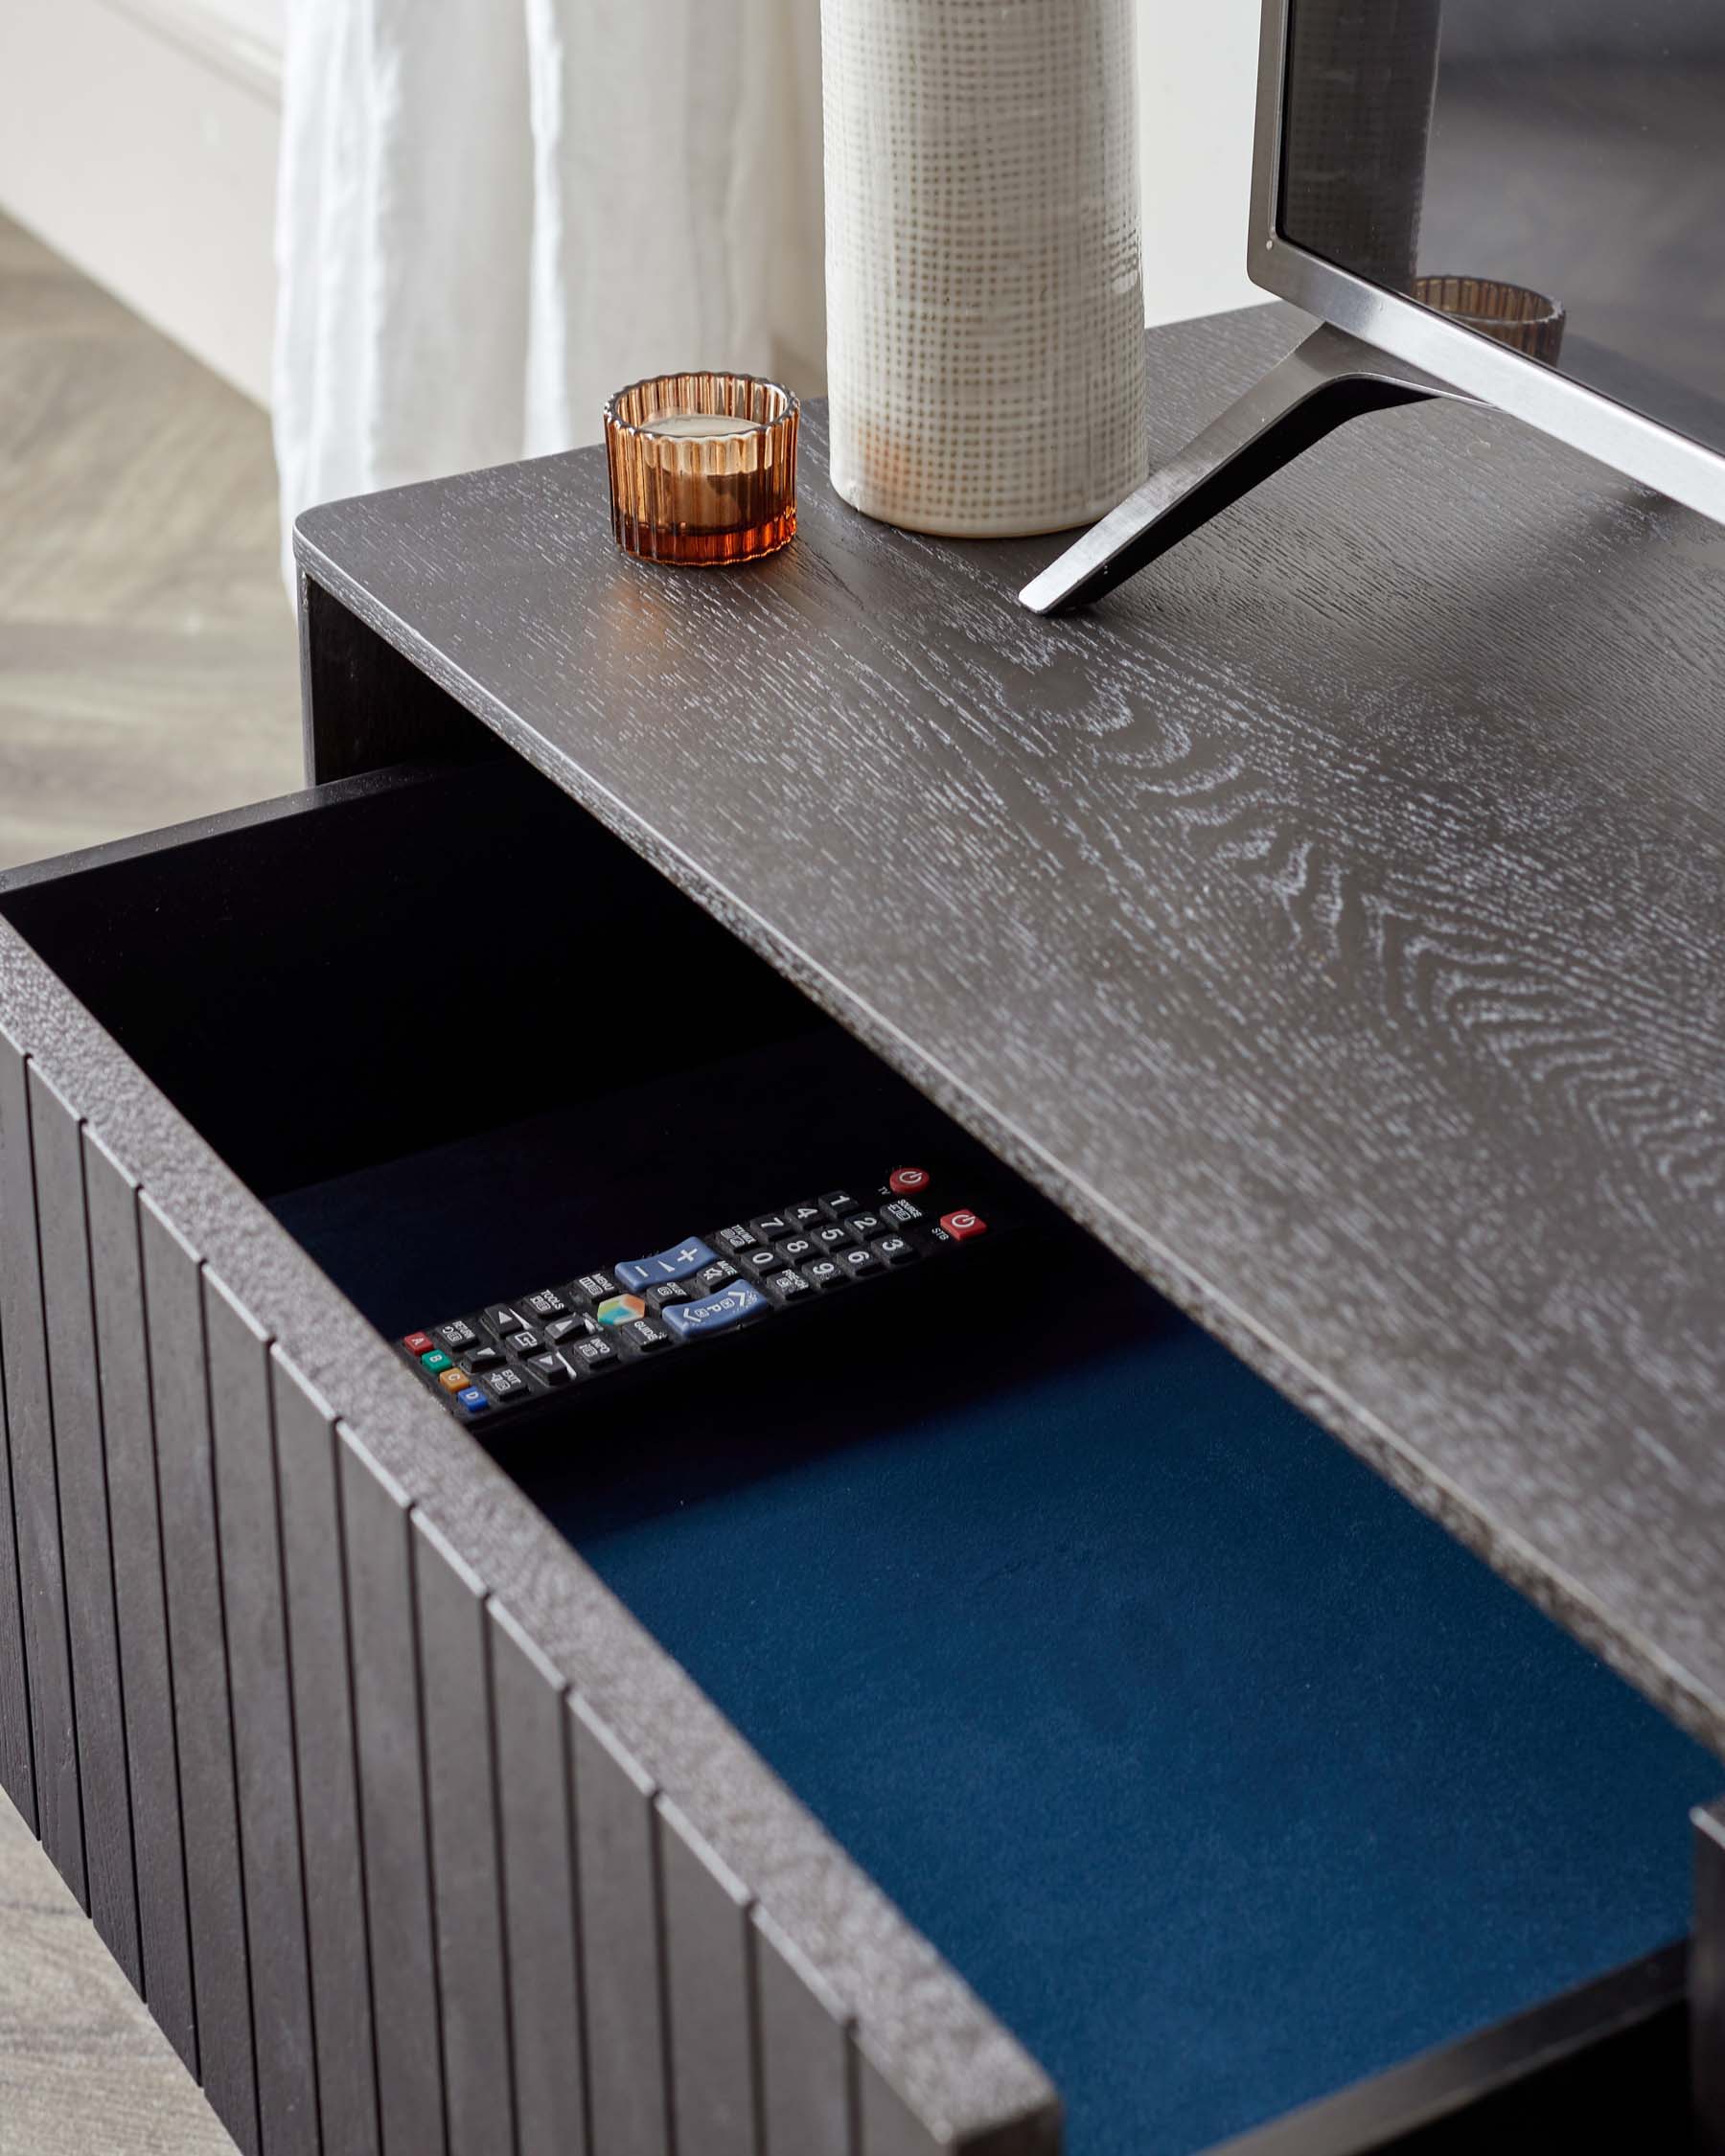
{"points": [[1197, 90], [138, 137]]}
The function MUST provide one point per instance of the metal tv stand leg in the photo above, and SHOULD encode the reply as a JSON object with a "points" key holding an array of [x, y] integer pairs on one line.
{"points": [[1327, 381]]}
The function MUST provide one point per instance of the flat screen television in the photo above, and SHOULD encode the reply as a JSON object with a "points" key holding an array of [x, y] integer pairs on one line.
{"points": [[1522, 202]]}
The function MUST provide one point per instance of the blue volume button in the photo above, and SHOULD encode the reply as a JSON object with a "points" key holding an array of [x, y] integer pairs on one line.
{"points": [[730, 1306], [675, 1264]]}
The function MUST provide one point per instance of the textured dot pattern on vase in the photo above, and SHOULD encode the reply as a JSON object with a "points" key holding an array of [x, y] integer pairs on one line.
{"points": [[985, 273]]}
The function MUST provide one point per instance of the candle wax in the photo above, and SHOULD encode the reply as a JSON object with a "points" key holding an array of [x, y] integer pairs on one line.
{"points": [[699, 426]]}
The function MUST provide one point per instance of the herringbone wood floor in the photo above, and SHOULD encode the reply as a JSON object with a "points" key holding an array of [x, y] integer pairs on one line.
{"points": [[148, 664]]}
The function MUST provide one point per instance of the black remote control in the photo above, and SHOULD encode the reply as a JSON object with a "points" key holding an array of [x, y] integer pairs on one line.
{"points": [[529, 1350]]}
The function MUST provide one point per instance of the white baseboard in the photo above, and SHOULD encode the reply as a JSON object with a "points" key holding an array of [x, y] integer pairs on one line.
{"points": [[138, 138]]}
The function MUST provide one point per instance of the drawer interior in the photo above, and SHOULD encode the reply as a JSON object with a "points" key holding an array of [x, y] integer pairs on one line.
{"points": [[1224, 1776]]}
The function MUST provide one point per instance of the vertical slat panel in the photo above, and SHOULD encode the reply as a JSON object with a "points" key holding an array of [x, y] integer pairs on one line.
{"points": [[323, 1717], [35, 1496], [17, 1764], [392, 1801], [243, 1446], [540, 1900], [807, 2064], [1707, 1980], [147, 1684], [467, 1891], [57, 1141], [197, 1642], [709, 1960], [622, 1984]]}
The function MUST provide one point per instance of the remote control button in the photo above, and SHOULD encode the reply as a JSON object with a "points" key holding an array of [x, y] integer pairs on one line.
{"points": [[561, 1329], [833, 1237], [737, 1238], [902, 1182], [673, 1291], [507, 1388], [593, 1288], [962, 1224], [675, 1264], [789, 1286], [619, 1310], [434, 1360], [824, 1273], [419, 1343], [547, 1304], [759, 1262], [485, 1358], [896, 1251], [596, 1356], [504, 1318], [645, 1336], [457, 1336], [771, 1228], [804, 1216], [472, 1401], [835, 1203], [796, 1247], [860, 1262], [866, 1226], [733, 1305], [719, 1275], [897, 1210], [524, 1343], [554, 1368], [453, 1380]]}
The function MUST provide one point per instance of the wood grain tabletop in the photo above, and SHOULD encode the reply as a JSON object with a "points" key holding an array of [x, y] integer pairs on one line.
{"points": [[1333, 919]]}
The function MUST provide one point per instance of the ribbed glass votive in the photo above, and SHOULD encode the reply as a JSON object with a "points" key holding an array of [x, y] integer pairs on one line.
{"points": [[702, 468], [1512, 314]]}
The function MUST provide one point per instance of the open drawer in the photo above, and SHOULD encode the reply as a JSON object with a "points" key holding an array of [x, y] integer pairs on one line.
{"points": [[1007, 1705]]}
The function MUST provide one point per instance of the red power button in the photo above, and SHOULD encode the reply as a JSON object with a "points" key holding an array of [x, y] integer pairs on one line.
{"points": [[905, 1182], [961, 1225]]}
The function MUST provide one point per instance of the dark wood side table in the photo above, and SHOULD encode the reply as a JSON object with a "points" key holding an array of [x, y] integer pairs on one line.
{"points": [[1331, 923]]}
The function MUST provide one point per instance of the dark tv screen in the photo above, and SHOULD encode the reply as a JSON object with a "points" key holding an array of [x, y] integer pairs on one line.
{"points": [[1488, 157]]}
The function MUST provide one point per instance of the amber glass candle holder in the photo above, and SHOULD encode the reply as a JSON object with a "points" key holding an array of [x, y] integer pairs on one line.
{"points": [[1512, 314], [702, 468]]}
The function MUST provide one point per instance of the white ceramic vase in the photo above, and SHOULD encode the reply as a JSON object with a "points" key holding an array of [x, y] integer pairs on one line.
{"points": [[986, 309]]}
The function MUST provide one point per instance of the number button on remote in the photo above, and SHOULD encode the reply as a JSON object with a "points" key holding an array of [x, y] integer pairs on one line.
{"points": [[832, 1237], [759, 1262], [860, 1262], [796, 1247], [803, 1216], [771, 1228], [895, 1250], [824, 1273], [835, 1203]]}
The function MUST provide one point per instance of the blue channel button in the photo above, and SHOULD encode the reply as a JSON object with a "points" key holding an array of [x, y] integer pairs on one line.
{"points": [[675, 1264], [730, 1306]]}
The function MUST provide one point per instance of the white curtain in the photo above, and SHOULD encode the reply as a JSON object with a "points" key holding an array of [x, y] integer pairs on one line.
{"points": [[493, 213]]}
